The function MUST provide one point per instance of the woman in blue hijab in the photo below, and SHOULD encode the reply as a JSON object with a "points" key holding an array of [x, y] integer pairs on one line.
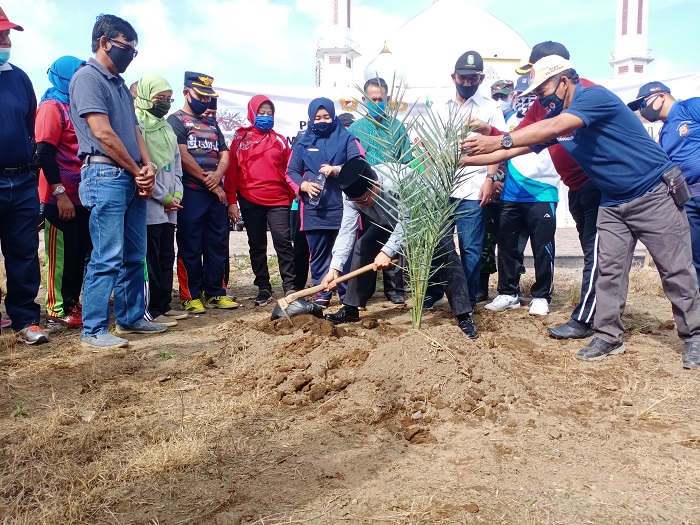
{"points": [[66, 233], [314, 166]]}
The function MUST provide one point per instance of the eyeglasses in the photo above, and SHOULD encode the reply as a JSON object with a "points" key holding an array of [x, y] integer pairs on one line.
{"points": [[124, 46], [164, 99], [648, 101]]}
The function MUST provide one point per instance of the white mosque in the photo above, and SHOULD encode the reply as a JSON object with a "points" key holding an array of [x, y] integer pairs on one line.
{"points": [[408, 53]]}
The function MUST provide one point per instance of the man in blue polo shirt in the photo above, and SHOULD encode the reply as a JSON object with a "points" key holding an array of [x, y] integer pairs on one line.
{"points": [[611, 145], [19, 195], [116, 179], [680, 138]]}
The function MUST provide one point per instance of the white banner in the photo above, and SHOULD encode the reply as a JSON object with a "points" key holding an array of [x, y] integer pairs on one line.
{"points": [[291, 108]]}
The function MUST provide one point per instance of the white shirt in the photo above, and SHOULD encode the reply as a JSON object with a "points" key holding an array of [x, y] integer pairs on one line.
{"points": [[472, 178]]}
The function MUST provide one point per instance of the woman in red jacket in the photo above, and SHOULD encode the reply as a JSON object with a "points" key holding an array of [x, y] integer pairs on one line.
{"points": [[256, 186]]}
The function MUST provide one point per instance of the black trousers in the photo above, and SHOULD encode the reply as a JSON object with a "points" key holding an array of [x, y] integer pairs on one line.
{"points": [[160, 257], [583, 205], [450, 275], [367, 247], [67, 245], [257, 218], [301, 252], [393, 277], [538, 221]]}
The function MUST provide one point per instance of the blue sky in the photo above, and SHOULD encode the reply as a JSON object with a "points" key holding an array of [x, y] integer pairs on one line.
{"points": [[272, 42]]}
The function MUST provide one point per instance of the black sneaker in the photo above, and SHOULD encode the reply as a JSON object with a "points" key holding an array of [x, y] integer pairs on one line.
{"points": [[467, 326], [347, 314], [691, 355], [572, 329], [597, 349], [395, 298], [264, 297]]}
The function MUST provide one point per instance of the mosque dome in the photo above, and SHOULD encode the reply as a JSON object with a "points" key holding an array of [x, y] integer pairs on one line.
{"points": [[385, 65], [429, 44]]}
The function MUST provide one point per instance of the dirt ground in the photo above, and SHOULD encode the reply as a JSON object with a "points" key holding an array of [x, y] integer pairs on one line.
{"points": [[230, 418]]}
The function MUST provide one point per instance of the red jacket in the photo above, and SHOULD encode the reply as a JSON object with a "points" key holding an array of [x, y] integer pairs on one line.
{"points": [[571, 173], [258, 164]]}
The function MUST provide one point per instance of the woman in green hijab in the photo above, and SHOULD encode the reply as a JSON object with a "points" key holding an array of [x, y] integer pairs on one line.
{"points": [[153, 100]]}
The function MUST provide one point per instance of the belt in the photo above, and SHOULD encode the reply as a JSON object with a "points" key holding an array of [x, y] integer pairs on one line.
{"points": [[100, 159], [10, 171]]}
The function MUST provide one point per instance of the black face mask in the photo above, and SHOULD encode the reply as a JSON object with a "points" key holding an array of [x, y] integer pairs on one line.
{"points": [[649, 113], [466, 92], [120, 57], [160, 108]]}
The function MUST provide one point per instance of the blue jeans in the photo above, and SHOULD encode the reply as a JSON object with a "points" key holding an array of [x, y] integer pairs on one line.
{"points": [[471, 224], [118, 231], [692, 210], [19, 243]]}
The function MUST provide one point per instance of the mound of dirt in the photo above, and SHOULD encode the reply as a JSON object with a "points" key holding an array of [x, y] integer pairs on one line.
{"points": [[231, 418]]}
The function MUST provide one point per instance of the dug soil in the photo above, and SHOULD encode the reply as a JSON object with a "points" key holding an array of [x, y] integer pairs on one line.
{"points": [[230, 418]]}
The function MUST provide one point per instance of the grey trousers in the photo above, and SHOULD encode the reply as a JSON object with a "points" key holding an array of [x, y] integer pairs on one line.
{"points": [[655, 220]]}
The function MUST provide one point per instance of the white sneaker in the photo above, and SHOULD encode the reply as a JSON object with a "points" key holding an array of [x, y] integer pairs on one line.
{"points": [[503, 302], [539, 306]]}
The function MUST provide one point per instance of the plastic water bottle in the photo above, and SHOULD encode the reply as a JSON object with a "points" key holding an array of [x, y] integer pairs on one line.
{"points": [[319, 179]]}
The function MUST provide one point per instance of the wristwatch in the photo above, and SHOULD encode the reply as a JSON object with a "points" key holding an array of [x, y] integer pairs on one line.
{"points": [[59, 189], [507, 141]]}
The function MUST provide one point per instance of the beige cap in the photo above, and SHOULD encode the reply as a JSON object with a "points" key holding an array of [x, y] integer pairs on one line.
{"points": [[544, 69]]}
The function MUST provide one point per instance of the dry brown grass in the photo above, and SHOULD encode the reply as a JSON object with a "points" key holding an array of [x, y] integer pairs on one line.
{"points": [[645, 280]]}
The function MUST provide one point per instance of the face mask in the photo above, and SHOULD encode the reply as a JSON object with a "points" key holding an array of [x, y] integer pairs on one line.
{"points": [[4, 55], [160, 108], [323, 129], [197, 106], [376, 109], [466, 92], [505, 106], [553, 104], [649, 113], [120, 57], [264, 122]]}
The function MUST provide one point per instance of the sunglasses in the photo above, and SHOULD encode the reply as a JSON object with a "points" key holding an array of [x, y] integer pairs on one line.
{"points": [[648, 101], [499, 96], [124, 46]]}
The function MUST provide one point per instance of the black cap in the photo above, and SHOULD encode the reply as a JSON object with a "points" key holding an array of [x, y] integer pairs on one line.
{"points": [[346, 119], [356, 177], [650, 88], [541, 50], [201, 83], [470, 63]]}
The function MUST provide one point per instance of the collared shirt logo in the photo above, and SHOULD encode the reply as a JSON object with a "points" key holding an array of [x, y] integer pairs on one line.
{"points": [[683, 130]]}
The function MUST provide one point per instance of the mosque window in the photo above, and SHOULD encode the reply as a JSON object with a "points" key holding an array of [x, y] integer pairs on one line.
{"points": [[622, 70], [334, 59], [625, 16], [639, 69]]}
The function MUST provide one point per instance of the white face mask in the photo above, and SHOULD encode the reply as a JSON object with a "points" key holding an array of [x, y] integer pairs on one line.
{"points": [[4, 55], [505, 105]]}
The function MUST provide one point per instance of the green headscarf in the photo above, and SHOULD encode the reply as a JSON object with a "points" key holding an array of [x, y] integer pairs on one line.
{"points": [[159, 137]]}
